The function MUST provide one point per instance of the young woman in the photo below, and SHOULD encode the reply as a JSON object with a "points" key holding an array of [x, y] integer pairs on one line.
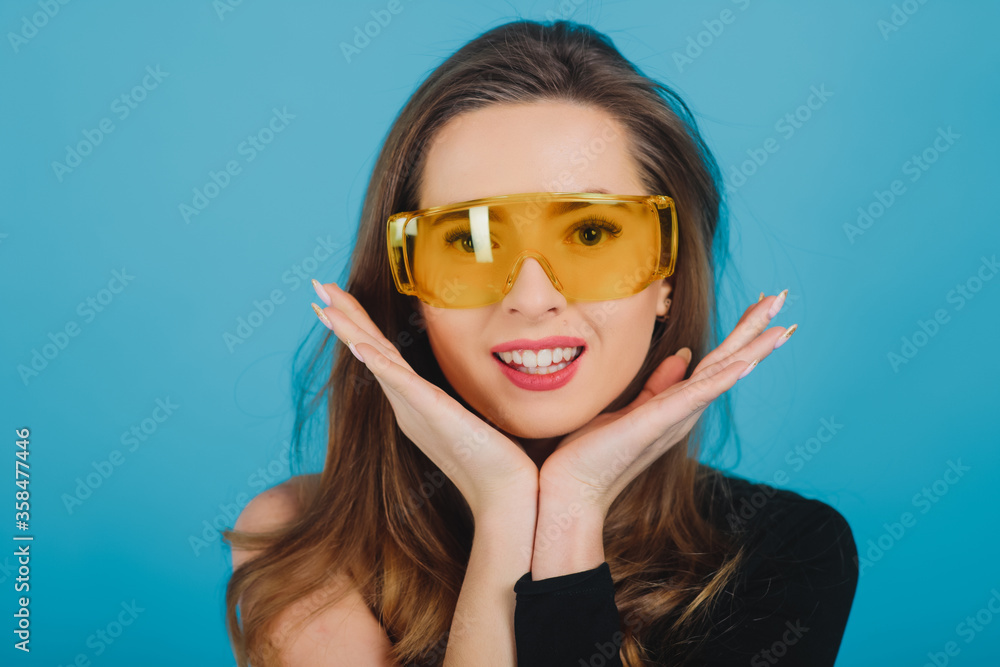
{"points": [[512, 471]]}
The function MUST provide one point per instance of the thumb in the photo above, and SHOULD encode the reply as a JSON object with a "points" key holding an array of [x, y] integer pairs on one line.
{"points": [[670, 371]]}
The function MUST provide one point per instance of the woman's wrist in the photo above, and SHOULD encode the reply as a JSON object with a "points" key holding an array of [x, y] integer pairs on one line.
{"points": [[569, 537], [516, 501], [507, 524]]}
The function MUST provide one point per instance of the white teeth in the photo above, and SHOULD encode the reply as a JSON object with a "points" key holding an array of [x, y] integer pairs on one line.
{"points": [[545, 360], [547, 369]]}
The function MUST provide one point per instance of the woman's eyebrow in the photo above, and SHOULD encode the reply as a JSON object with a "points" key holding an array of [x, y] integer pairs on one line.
{"points": [[555, 208], [560, 208]]}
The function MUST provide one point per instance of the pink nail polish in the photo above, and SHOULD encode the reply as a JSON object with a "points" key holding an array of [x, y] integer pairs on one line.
{"points": [[788, 334], [356, 353], [323, 318], [749, 368], [778, 303], [320, 292]]}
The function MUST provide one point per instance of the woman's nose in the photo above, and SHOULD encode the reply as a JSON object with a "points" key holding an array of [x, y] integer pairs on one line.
{"points": [[533, 294]]}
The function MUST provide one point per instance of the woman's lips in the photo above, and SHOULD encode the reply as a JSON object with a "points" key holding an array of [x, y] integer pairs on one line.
{"points": [[540, 381], [547, 342]]}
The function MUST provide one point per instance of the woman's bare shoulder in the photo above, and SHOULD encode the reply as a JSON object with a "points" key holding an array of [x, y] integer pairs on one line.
{"points": [[346, 632], [274, 508]]}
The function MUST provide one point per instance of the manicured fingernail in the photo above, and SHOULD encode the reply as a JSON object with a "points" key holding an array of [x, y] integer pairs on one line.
{"points": [[749, 368], [355, 351], [320, 292], [321, 316], [761, 297], [684, 353], [776, 306], [788, 334]]}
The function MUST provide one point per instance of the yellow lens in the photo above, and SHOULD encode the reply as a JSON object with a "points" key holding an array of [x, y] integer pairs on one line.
{"points": [[591, 250]]}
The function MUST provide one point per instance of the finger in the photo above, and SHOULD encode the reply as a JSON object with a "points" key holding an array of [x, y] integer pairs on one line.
{"points": [[681, 408], [321, 291], [656, 427], [347, 329], [774, 303], [349, 306], [759, 348], [759, 315], [389, 374], [698, 394], [404, 388], [750, 326], [670, 371], [340, 300], [413, 395], [413, 399]]}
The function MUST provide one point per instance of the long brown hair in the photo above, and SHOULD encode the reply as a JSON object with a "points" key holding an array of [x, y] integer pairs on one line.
{"points": [[381, 511]]}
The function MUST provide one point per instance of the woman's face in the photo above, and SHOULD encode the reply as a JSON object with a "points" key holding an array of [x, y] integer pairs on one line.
{"points": [[537, 147]]}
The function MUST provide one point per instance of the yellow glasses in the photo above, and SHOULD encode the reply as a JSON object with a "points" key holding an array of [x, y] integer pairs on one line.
{"points": [[593, 247]]}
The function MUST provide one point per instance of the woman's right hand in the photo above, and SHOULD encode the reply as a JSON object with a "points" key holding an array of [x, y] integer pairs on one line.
{"points": [[493, 473]]}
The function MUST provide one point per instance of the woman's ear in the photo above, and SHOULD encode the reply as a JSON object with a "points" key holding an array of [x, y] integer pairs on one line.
{"points": [[661, 305]]}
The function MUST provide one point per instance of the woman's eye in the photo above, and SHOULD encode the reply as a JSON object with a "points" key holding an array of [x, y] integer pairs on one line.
{"points": [[595, 232], [463, 238], [591, 235], [464, 241]]}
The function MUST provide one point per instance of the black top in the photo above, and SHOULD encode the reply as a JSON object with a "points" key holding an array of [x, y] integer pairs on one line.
{"points": [[789, 604]]}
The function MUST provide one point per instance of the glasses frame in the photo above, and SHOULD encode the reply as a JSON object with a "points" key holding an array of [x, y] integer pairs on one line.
{"points": [[396, 245]]}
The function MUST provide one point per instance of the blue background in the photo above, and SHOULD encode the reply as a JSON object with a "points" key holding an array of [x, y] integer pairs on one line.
{"points": [[134, 540]]}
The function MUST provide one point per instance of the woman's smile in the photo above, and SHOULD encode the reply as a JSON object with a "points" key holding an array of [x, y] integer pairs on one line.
{"points": [[540, 357], [539, 362], [538, 372]]}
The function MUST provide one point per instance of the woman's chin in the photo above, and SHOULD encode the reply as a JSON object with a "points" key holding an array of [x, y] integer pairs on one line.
{"points": [[523, 431], [524, 423]]}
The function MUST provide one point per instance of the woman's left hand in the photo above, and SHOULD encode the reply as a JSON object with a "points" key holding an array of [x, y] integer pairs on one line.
{"points": [[592, 465]]}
